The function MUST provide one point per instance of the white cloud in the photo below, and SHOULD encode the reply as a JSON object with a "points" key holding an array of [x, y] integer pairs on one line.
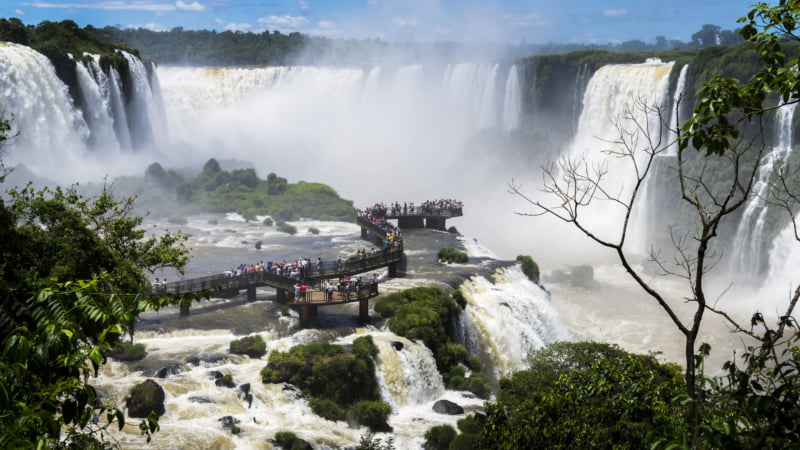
{"points": [[284, 22], [402, 22], [327, 24], [303, 5], [194, 6], [238, 26], [371, 4], [19, 12], [108, 5], [150, 26], [615, 12]]}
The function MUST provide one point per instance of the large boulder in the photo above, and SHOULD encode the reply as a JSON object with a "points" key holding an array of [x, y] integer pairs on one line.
{"points": [[145, 398], [447, 407]]}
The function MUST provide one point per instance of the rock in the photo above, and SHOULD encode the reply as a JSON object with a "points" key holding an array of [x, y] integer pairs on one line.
{"points": [[227, 422], [291, 390], [252, 346], [168, 370], [225, 381], [447, 407], [216, 374], [200, 399], [397, 345], [249, 399], [145, 398], [205, 360], [245, 388]]}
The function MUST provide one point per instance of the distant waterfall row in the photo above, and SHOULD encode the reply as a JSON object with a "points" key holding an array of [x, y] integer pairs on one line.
{"points": [[57, 132]]}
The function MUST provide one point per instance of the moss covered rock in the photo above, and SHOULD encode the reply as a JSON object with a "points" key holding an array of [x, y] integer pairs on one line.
{"points": [[144, 398], [252, 346]]}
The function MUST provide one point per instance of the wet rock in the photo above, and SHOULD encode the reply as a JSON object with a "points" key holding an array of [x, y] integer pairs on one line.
{"points": [[226, 381], [249, 399], [447, 407], [205, 360], [291, 390], [245, 388], [397, 345], [200, 399], [216, 374], [144, 398], [227, 422], [168, 370]]}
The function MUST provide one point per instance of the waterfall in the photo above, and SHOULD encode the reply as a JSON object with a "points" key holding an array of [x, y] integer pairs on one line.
{"points": [[118, 110], [609, 97], [96, 94], [142, 113], [514, 304], [512, 102], [680, 91], [471, 91], [747, 256], [43, 112]]}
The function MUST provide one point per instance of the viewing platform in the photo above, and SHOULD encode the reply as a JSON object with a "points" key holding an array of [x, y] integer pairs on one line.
{"points": [[318, 276]]}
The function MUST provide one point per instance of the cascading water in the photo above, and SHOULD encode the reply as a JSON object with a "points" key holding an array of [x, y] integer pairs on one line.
{"points": [[510, 302], [610, 97], [97, 109], [680, 92], [747, 257], [512, 102], [44, 115], [142, 115]]}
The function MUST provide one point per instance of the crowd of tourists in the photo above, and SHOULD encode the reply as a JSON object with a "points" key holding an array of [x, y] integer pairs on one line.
{"points": [[381, 210], [376, 214]]}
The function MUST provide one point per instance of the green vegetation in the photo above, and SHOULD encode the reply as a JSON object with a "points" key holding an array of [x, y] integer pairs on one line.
{"points": [[579, 395], [252, 346], [529, 267], [259, 243], [239, 190], [439, 437], [340, 384], [313, 230], [128, 351], [427, 314], [178, 220], [368, 441], [289, 441], [451, 255]]}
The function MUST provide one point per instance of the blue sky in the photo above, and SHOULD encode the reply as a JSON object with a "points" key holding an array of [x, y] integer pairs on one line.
{"points": [[512, 21]]}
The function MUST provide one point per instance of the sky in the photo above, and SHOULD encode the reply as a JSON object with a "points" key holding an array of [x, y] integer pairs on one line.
{"points": [[505, 21]]}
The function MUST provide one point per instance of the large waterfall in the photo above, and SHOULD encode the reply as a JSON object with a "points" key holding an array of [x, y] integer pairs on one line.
{"points": [[81, 138], [611, 114]]}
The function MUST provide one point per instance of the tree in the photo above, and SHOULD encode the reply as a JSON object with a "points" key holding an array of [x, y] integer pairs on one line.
{"points": [[582, 395], [707, 36], [72, 282], [723, 133]]}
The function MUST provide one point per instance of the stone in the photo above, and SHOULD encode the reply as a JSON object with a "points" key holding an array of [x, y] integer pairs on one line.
{"points": [[168, 370], [144, 398], [397, 345], [200, 399], [227, 422], [447, 407]]}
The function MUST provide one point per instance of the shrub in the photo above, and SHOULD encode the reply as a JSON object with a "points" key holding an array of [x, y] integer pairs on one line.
{"points": [[128, 351], [459, 298], [252, 346], [177, 220], [451, 255], [258, 244], [235, 429], [268, 222], [327, 409], [313, 230], [286, 228], [373, 414], [289, 441], [285, 310], [529, 267], [439, 437]]}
